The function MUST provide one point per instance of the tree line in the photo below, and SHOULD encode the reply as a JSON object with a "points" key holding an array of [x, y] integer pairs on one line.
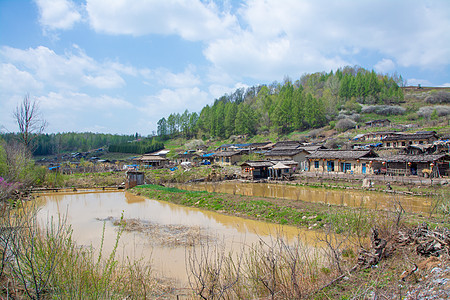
{"points": [[310, 102], [139, 147], [55, 143]]}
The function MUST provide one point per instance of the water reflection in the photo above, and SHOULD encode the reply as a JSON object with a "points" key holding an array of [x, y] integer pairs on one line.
{"points": [[85, 211], [352, 198]]}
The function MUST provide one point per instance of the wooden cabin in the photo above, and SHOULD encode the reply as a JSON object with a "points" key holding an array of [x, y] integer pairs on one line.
{"points": [[403, 140], [341, 161], [227, 157], [255, 169], [407, 164], [146, 161]]}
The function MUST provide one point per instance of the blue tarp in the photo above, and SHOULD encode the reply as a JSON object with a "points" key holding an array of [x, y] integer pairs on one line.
{"points": [[173, 169], [208, 155]]}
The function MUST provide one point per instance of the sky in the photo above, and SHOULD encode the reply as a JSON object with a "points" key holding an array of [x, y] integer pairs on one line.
{"points": [[117, 66]]}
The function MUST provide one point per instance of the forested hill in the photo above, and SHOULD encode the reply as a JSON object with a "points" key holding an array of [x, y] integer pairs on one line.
{"points": [[311, 102]]}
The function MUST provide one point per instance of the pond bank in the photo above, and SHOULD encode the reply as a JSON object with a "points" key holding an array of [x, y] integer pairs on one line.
{"points": [[283, 211]]}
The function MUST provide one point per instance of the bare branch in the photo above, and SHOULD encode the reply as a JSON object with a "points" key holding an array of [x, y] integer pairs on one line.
{"points": [[29, 120]]}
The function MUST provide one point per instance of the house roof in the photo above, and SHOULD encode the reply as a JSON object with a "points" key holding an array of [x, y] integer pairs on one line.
{"points": [[151, 158], [286, 162], [312, 148], [404, 158], [287, 144], [411, 136], [259, 145], [341, 154], [226, 153], [422, 147], [233, 146], [283, 152], [160, 152], [257, 164], [280, 165]]}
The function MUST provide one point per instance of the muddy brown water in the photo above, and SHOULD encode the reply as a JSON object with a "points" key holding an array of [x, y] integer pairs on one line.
{"points": [[87, 211], [351, 198]]}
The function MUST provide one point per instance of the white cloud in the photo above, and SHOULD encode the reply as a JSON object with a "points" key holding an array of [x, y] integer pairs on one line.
{"points": [[165, 78], [68, 71], [192, 20], [17, 81], [308, 36], [217, 90], [384, 66], [447, 84], [58, 14], [422, 82], [169, 101], [74, 111], [73, 101]]}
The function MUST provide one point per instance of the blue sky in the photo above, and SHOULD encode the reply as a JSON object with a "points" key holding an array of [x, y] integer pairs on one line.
{"points": [[116, 66]]}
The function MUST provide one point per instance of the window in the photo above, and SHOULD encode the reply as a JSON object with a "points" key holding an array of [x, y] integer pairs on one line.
{"points": [[346, 167], [420, 142], [388, 144], [316, 164], [227, 159], [403, 143]]}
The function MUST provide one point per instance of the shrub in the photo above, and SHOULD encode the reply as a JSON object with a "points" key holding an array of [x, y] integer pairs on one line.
{"points": [[345, 124], [384, 110], [438, 97], [439, 110]]}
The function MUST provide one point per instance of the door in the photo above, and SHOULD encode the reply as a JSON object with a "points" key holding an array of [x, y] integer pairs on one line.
{"points": [[364, 168], [330, 166]]}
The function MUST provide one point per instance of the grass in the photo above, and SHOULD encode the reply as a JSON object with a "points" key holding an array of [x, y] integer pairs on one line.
{"points": [[263, 208], [44, 263]]}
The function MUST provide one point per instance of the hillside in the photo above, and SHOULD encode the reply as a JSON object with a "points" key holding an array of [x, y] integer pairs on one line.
{"points": [[316, 103]]}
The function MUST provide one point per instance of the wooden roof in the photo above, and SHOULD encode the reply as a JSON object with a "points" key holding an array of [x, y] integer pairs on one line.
{"points": [[312, 148], [404, 158], [341, 154], [410, 136], [226, 153], [257, 164], [283, 152], [151, 158]]}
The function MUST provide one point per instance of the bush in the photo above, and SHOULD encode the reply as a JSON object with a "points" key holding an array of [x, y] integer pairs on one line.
{"points": [[439, 110], [438, 97], [345, 124], [384, 110]]}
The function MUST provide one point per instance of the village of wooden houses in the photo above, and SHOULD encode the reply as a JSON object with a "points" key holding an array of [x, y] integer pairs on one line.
{"points": [[378, 153]]}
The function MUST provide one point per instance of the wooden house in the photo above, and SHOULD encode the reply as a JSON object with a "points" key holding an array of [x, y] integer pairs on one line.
{"points": [[268, 169], [188, 156], [146, 161], [255, 169], [378, 123], [341, 161], [403, 140], [296, 154], [227, 157], [376, 136], [412, 164]]}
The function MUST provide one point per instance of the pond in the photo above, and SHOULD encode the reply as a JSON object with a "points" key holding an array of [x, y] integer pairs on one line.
{"points": [[351, 198], [164, 232]]}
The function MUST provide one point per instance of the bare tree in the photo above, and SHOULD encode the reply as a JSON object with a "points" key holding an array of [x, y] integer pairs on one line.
{"points": [[30, 121]]}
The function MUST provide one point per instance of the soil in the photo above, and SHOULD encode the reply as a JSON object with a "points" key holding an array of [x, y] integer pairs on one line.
{"points": [[165, 235]]}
